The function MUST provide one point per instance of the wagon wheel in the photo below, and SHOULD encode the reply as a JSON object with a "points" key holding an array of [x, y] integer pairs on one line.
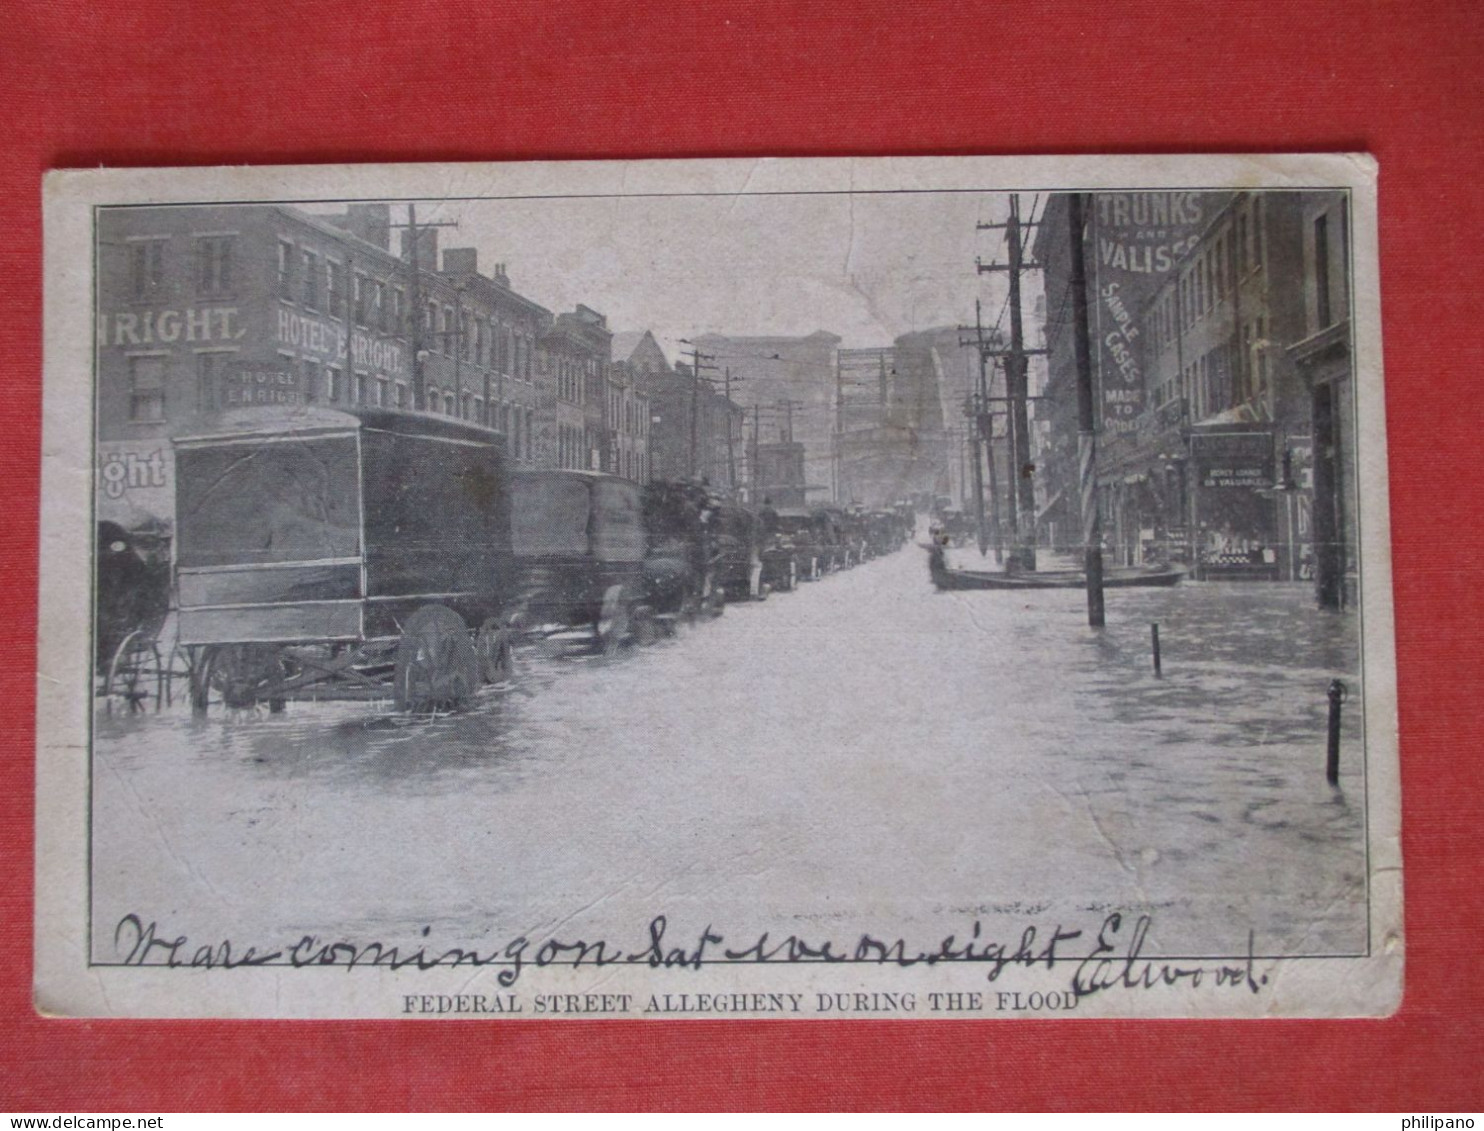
{"points": [[129, 670], [494, 645], [613, 624], [437, 667], [178, 667], [756, 588], [237, 677], [642, 626], [714, 603]]}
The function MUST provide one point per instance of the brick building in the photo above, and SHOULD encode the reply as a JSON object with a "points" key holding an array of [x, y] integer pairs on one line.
{"points": [[204, 308], [1214, 363], [689, 423]]}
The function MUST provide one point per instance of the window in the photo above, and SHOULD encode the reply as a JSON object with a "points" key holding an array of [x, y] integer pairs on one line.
{"points": [[360, 391], [285, 270], [335, 298], [332, 385], [147, 389], [401, 393], [214, 265], [1254, 231], [311, 379], [1321, 270], [1342, 306], [448, 404], [146, 268], [399, 310], [362, 289], [209, 367], [311, 280], [378, 303]]}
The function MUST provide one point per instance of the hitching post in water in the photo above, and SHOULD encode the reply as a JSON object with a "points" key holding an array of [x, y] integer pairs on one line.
{"points": [[1154, 639], [1337, 693]]}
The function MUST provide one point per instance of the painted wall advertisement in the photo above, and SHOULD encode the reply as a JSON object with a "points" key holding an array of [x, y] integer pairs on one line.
{"points": [[136, 483], [1139, 241]]}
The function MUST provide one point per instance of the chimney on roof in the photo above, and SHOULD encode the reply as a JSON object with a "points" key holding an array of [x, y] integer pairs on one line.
{"points": [[369, 222], [500, 276], [461, 261]]}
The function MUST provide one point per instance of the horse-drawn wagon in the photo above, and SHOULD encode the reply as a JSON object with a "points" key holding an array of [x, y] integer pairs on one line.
{"points": [[356, 553]]}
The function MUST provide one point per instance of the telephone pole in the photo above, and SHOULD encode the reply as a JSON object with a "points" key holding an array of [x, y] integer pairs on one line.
{"points": [[698, 362], [756, 477], [983, 435], [414, 299], [1022, 495], [1087, 450], [731, 453]]}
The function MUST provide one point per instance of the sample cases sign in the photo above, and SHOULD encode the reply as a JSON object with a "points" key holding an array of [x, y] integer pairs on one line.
{"points": [[1141, 239], [1234, 459]]}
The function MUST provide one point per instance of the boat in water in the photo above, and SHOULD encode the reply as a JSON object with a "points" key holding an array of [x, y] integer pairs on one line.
{"points": [[945, 577]]}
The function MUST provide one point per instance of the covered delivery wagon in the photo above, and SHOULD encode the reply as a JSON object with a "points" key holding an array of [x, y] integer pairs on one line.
{"points": [[579, 542], [357, 553]]}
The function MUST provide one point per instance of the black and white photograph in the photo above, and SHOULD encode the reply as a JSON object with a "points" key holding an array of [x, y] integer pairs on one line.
{"points": [[892, 588]]}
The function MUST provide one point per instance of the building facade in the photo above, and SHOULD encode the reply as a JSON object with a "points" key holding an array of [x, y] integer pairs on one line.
{"points": [[693, 433], [202, 309], [1214, 365]]}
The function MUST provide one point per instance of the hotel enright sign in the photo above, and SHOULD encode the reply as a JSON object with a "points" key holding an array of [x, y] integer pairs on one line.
{"points": [[253, 383]]}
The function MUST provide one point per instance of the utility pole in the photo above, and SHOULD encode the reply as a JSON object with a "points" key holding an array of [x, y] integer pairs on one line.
{"points": [[983, 437], [1016, 370], [731, 454], [788, 407], [698, 362], [756, 476], [1087, 451], [1022, 494], [458, 350], [837, 462], [414, 293]]}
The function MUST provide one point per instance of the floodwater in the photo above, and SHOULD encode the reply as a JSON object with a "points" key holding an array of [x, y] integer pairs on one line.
{"points": [[864, 754]]}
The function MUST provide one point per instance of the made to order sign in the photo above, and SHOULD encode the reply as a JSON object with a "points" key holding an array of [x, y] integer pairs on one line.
{"points": [[1234, 459]]}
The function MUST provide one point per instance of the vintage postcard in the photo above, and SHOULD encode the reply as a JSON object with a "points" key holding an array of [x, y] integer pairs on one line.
{"points": [[867, 588]]}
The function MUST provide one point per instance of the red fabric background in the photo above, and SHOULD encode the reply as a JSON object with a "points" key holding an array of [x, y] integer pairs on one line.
{"points": [[157, 82]]}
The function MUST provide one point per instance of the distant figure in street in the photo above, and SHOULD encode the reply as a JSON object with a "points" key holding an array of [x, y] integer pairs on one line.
{"points": [[768, 518], [938, 559]]}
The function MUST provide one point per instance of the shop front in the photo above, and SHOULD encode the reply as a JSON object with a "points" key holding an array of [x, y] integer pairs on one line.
{"points": [[1234, 512]]}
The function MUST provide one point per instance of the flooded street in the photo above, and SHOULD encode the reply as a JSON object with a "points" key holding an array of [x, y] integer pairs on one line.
{"points": [[863, 754]]}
